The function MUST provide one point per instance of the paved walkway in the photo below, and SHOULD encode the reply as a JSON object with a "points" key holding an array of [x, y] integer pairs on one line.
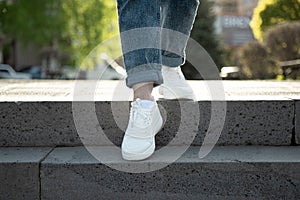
{"points": [[61, 90]]}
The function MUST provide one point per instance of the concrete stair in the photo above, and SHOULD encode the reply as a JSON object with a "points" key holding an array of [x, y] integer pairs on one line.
{"points": [[42, 155], [239, 172]]}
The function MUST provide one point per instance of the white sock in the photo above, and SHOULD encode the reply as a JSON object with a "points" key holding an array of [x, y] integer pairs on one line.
{"points": [[147, 104]]}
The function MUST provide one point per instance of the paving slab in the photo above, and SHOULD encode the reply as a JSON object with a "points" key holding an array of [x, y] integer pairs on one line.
{"points": [[226, 173], [93, 90], [19, 167]]}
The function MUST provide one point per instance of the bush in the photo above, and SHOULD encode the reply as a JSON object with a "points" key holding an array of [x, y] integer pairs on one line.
{"points": [[280, 43], [256, 63], [283, 41]]}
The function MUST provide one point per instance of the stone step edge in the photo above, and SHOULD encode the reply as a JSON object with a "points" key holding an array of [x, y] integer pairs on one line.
{"points": [[218, 154], [31, 167], [77, 155]]}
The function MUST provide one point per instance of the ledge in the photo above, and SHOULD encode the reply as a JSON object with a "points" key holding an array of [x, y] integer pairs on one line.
{"points": [[226, 173], [62, 90], [40, 112]]}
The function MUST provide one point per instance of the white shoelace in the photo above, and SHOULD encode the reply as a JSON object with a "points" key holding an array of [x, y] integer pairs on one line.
{"points": [[141, 117]]}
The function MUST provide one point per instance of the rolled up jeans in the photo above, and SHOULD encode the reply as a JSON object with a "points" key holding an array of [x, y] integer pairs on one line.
{"points": [[154, 33]]}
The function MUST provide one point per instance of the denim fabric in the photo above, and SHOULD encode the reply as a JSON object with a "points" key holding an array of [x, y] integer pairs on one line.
{"points": [[143, 49]]}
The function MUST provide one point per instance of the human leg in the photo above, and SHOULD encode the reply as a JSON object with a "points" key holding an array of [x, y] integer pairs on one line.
{"points": [[177, 19], [140, 28], [139, 22]]}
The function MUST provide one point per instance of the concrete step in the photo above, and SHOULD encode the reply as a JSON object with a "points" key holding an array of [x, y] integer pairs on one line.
{"points": [[20, 172], [269, 122], [43, 113], [228, 172]]}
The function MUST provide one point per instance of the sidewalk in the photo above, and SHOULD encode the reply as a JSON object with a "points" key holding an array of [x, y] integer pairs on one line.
{"points": [[61, 90]]}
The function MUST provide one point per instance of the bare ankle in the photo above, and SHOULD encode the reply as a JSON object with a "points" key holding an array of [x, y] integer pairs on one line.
{"points": [[143, 91]]}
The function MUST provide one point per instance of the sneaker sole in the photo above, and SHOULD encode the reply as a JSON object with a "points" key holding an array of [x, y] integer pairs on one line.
{"points": [[147, 153], [140, 156]]}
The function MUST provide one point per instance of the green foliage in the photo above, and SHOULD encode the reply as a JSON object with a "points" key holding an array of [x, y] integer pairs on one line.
{"points": [[276, 24], [283, 41], [204, 33], [256, 63], [89, 23], [77, 25], [272, 12], [33, 21]]}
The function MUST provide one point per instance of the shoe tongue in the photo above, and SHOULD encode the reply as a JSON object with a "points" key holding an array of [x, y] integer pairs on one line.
{"points": [[142, 105], [146, 104]]}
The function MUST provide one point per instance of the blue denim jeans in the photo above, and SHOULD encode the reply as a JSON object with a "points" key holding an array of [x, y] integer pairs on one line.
{"points": [[154, 33]]}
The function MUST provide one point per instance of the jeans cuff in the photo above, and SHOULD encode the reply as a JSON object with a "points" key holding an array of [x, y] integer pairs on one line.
{"points": [[141, 74], [172, 61]]}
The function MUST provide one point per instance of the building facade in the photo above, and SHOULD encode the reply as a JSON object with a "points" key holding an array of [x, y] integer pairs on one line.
{"points": [[233, 21]]}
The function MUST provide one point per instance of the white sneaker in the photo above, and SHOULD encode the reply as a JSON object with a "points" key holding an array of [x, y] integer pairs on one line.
{"points": [[175, 86], [144, 123]]}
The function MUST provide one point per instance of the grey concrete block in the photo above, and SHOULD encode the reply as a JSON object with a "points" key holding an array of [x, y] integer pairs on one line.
{"points": [[246, 123], [256, 123], [52, 123], [297, 121], [254, 172], [37, 124], [19, 177]]}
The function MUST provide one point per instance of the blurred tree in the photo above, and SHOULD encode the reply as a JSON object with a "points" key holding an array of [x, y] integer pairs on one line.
{"points": [[271, 12], [89, 23], [256, 63], [283, 41], [32, 21], [74, 25], [204, 33]]}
